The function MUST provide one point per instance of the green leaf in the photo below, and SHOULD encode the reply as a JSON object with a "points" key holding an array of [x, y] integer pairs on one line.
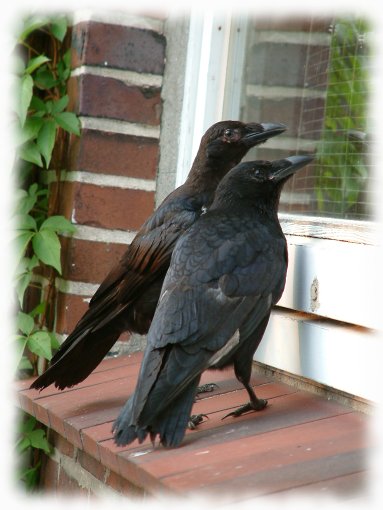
{"points": [[36, 62], [26, 92], [25, 222], [40, 343], [25, 201], [67, 58], [47, 247], [21, 243], [46, 140], [22, 444], [68, 121], [25, 323], [58, 224], [18, 65], [38, 439], [21, 286], [30, 152], [40, 308], [55, 344], [27, 424], [24, 364], [38, 105], [60, 105], [21, 342], [59, 27], [31, 24], [30, 129], [31, 477], [44, 78]]}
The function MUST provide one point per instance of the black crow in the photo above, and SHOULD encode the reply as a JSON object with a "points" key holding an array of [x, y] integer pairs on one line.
{"points": [[225, 274], [127, 298]]}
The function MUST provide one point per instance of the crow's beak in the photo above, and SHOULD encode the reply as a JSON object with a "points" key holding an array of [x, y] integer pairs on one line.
{"points": [[254, 137], [286, 167]]}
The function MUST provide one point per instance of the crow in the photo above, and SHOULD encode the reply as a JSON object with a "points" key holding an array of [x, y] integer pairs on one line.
{"points": [[225, 274], [127, 298]]}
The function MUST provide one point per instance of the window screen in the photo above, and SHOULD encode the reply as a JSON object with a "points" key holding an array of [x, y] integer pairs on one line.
{"points": [[313, 75]]}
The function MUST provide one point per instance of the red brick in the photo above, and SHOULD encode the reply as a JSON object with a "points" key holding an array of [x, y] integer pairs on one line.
{"points": [[89, 261], [112, 208], [114, 481], [113, 153], [131, 490], [49, 474], [67, 484], [98, 96], [70, 309], [91, 465], [61, 444], [117, 46]]}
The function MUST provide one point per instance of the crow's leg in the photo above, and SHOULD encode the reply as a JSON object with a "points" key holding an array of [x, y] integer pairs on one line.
{"points": [[243, 361], [255, 404], [196, 419]]}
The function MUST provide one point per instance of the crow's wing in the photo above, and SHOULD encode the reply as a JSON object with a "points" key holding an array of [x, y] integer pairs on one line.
{"points": [[200, 307], [145, 260]]}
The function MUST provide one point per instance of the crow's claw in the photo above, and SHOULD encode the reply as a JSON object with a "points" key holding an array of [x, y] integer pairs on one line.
{"points": [[258, 406], [206, 388], [195, 420]]}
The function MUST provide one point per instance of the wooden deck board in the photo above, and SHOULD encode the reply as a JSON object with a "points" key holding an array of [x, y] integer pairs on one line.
{"points": [[299, 442]]}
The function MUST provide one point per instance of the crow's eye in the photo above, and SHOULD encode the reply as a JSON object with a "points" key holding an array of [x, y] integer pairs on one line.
{"points": [[257, 171], [228, 132]]}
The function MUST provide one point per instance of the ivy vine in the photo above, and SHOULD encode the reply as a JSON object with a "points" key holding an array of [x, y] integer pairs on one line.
{"points": [[341, 156], [43, 125]]}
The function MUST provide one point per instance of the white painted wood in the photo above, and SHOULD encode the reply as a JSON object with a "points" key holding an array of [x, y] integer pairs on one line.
{"points": [[340, 257], [361, 232], [204, 83], [234, 68], [337, 355], [347, 276], [306, 38], [277, 92]]}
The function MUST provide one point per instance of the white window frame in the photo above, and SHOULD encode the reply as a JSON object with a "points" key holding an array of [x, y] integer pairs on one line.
{"points": [[324, 327]]}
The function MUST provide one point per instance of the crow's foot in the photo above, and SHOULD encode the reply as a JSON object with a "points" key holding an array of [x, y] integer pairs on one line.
{"points": [[195, 420], [250, 406], [206, 388]]}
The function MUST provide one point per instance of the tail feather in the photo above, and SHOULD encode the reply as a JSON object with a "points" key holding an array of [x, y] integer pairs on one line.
{"points": [[78, 361], [170, 425]]}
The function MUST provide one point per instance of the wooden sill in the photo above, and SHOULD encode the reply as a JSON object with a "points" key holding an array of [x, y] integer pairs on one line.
{"points": [[301, 442]]}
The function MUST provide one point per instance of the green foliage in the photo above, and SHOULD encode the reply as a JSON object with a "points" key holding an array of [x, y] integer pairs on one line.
{"points": [[341, 152], [30, 438], [42, 125]]}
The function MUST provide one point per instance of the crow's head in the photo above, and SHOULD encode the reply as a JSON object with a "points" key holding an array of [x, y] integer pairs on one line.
{"points": [[229, 140], [258, 182]]}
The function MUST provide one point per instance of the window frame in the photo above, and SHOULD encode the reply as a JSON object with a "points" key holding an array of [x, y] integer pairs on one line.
{"points": [[213, 41]]}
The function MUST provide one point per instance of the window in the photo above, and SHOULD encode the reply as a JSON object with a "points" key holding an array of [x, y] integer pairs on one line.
{"points": [[313, 75]]}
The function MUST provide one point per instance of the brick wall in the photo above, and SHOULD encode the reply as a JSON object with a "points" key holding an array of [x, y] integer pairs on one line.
{"points": [[109, 191], [71, 470]]}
